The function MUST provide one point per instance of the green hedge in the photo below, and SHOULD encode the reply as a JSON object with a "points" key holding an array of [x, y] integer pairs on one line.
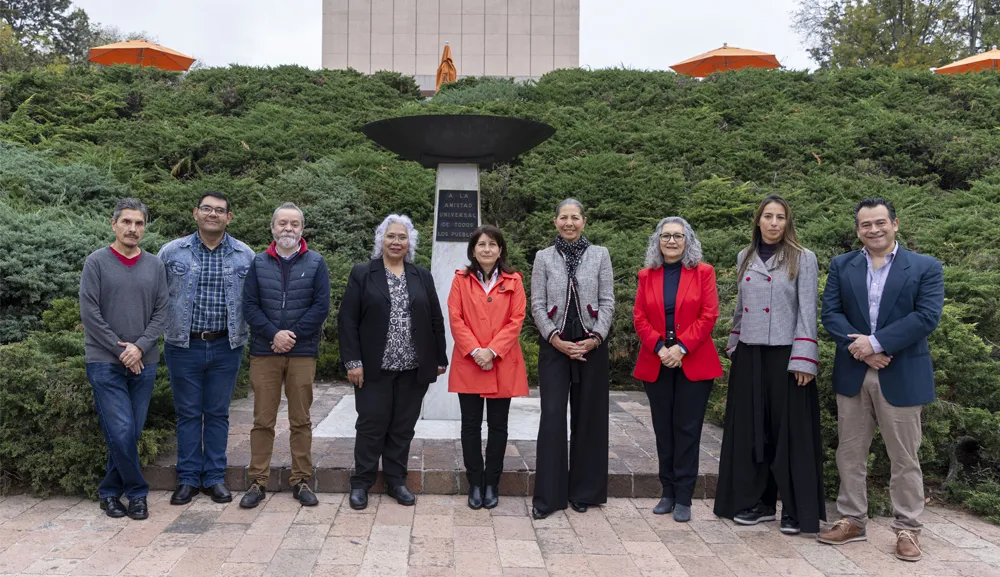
{"points": [[633, 146]]}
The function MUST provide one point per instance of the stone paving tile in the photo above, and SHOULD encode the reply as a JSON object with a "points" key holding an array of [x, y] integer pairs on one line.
{"points": [[619, 539], [516, 554], [432, 552]]}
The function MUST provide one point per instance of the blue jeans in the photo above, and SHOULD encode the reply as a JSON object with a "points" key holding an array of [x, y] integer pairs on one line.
{"points": [[121, 398], [202, 378]]}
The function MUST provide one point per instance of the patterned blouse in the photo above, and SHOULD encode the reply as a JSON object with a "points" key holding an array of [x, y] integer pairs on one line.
{"points": [[400, 351]]}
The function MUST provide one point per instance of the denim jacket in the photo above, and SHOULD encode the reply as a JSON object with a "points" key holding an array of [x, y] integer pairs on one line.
{"points": [[180, 257]]}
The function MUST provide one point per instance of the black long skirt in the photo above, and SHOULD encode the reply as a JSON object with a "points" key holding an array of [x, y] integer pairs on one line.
{"points": [[771, 440]]}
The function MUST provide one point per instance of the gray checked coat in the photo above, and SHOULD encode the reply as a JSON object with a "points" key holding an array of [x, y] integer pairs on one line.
{"points": [[595, 287], [772, 310]]}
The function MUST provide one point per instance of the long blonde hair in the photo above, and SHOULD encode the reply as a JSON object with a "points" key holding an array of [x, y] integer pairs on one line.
{"points": [[788, 249]]}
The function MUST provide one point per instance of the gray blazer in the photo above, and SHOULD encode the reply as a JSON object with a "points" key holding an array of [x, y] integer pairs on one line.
{"points": [[595, 288], [772, 310]]}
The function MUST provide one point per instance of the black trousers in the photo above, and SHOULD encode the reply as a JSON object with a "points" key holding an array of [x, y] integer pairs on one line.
{"points": [[388, 409], [472, 444], [677, 406], [581, 473]]}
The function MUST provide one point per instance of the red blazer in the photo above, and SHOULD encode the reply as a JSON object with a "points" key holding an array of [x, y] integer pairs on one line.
{"points": [[695, 313], [487, 320]]}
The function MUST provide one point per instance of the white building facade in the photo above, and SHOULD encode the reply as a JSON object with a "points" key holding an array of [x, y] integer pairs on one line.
{"points": [[513, 38]]}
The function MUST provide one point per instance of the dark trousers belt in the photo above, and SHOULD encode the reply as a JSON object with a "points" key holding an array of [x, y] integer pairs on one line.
{"points": [[207, 336]]}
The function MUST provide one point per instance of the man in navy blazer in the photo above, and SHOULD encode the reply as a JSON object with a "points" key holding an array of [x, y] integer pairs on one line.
{"points": [[879, 305]]}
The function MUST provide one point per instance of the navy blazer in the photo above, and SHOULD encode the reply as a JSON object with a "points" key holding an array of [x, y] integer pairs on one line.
{"points": [[910, 310]]}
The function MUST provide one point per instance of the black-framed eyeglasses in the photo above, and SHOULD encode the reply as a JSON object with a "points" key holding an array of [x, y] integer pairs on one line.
{"points": [[674, 237], [219, 210]]}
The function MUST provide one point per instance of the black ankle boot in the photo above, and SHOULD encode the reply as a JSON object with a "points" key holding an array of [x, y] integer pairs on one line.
{"points": [[475, 497], [491, 499]]}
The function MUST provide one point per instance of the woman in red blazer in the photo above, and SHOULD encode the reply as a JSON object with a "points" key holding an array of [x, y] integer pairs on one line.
{"points": [[676, 307], [486, 308]]}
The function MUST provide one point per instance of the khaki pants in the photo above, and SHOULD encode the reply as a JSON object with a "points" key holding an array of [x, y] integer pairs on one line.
{"points": [[266, 377], [900, 428]]}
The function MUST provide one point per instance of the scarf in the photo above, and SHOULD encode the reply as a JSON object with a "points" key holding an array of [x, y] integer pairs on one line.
{"points": [[572, 252]]}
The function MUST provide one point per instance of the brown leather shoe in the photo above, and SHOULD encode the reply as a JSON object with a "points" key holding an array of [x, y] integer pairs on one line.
{"points": [[907, 546], [843, 531]]}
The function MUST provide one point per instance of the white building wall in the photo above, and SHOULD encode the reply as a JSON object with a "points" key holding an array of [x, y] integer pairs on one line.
{"points": [[514, 38]]}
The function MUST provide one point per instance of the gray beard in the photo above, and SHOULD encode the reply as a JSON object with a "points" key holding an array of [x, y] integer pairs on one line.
{"points": [[287, 242]]}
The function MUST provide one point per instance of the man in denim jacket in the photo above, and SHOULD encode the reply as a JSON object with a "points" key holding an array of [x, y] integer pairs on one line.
{"points": [[204, 344]]}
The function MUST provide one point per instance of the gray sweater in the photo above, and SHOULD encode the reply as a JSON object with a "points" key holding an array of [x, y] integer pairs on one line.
{"points": [[124, 304]]}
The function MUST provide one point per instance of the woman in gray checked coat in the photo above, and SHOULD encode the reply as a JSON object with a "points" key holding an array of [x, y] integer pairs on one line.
{"points": [[572, 302], [771, 440]]}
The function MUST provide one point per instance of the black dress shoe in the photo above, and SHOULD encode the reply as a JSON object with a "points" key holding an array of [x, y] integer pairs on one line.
{"points": [[475, 497], [137, 509], [359, 499], [665, 506], [183, 494], [304, 494], [112, 507], [254, 495], [578, 507], [401, 494], [758, 514], [219, 493], [536, 514], [490, 498]]}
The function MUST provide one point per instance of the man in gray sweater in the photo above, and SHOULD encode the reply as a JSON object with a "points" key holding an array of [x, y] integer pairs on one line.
{"points": [[123, 306]]}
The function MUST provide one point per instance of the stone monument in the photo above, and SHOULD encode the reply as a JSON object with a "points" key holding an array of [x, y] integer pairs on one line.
{"points": [[457, 146]]}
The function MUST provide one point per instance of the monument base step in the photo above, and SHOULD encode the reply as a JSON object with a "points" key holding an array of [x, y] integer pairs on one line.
{"points": [[435, 463], [431, 482]]}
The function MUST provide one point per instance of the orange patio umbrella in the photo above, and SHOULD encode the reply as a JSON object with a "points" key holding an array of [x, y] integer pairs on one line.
{"points": [[142, 53], [725, 58], [446, 70], [984, 61]]}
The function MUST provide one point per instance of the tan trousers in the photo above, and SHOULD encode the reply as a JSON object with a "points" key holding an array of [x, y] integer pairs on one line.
{"points": [[900, 428], [266, 377]]}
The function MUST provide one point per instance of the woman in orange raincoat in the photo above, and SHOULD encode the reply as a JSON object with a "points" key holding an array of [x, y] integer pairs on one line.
{"points": [[486, 308]]}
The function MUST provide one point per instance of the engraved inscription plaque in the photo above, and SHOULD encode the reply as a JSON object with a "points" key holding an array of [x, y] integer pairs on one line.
{"points": [[457, 215]]}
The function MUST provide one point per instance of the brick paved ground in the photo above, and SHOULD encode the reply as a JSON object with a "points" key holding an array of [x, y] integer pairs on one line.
{"points": [[435, 466], [441, 536]]}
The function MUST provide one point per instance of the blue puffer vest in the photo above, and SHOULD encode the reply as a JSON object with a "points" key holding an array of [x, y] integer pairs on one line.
{"points": [[287, 295]]}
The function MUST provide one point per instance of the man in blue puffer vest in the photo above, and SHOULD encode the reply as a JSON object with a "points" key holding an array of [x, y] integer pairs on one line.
{"points": [[286, 299]]}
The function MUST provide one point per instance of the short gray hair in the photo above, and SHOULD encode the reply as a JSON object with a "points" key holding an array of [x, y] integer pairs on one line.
{"points": [[130, 204], [571, 202], [287, 206], [411, 232], [692, 246]]}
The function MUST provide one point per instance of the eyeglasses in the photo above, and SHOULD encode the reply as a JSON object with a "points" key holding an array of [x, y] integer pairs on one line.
{"points": [[391, 237], [673, 237], [219, 210]]}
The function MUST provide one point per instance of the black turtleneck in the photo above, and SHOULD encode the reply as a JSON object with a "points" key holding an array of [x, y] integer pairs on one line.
{"points": [[766, 251], [671, 280]]}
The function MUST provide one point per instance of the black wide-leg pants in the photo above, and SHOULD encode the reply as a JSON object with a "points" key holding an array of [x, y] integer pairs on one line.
{"points": [[677, 407], [579, 474], [771, 440], [388, 409]]}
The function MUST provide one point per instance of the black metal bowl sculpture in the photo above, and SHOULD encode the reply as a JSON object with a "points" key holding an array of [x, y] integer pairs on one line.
{"points": [[458, 138]]}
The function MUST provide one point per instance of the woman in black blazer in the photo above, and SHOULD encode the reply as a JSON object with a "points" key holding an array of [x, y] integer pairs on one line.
{"points": [[392, 343]]}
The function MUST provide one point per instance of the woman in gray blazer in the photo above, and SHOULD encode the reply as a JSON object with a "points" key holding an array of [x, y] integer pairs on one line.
{"points": [[572, 302], [771, 440]]}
